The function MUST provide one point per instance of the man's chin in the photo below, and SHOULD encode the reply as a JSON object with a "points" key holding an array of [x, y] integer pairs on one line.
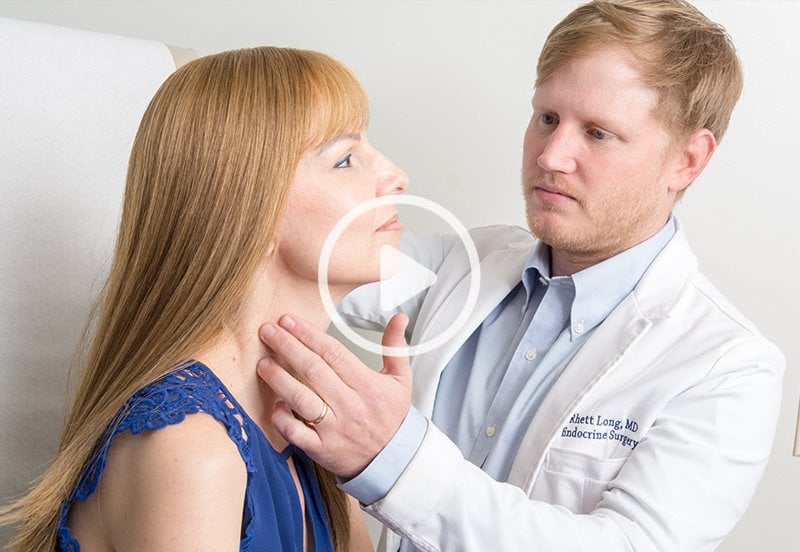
{"points": [[547, 226], [556, 233]]}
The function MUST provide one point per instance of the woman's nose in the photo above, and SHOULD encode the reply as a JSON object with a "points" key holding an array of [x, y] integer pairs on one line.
{"points": [[393, 179]]}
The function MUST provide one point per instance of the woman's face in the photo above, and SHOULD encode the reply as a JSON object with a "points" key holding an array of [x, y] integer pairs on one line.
{"points": [[329, 182]]}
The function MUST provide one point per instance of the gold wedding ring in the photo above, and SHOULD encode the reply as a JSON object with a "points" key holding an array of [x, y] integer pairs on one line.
{"points": [[321, 415]]}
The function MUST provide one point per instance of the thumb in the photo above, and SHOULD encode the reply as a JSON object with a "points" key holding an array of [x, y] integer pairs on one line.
{"points": [[394, 336]]}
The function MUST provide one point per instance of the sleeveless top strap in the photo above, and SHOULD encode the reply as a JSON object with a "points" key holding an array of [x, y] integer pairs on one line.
{"points": [[188, 390]]}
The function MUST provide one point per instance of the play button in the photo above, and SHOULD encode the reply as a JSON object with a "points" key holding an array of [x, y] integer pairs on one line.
{"points": [[401, 278]]}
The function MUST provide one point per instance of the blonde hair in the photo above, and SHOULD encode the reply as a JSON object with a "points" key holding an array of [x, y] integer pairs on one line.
{"points": [[206, 187], [688, 60]]}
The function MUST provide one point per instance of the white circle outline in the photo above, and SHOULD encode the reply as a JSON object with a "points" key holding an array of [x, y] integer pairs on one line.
{"points": [[325, 257]]}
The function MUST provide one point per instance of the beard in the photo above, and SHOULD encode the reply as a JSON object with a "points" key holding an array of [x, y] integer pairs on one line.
{"points": [[555, 226], [591, 235]]}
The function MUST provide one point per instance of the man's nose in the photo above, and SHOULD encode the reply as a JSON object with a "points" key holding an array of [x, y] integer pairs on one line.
{"points": [[559, 152]]}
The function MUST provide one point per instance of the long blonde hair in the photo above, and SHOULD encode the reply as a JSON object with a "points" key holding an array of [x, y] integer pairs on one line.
{"points": [[206, 187]]}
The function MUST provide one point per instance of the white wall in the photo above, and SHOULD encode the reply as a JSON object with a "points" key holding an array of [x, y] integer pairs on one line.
{"points": [[450, 85]]}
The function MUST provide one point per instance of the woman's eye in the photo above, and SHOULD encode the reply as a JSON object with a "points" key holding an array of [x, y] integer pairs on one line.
{"points": [[344, 162], [548, 119], [598, 134]]}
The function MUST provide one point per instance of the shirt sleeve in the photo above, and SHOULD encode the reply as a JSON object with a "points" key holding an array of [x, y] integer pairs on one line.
{"points": [[378, 478]]}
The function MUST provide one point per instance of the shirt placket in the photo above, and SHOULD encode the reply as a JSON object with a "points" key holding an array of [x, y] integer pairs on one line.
{"points": [[550, 318]]}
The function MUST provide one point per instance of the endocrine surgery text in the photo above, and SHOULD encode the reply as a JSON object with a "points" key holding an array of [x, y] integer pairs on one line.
{"points": [[606, 429]]}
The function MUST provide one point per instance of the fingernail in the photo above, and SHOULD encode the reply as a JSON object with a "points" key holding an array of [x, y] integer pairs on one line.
{"points": [[287, 322], [267, 331], [262, 364]]}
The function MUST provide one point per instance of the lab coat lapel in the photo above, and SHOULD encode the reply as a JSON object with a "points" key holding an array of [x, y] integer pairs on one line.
{"points": [[501, 270], [605, 350]]}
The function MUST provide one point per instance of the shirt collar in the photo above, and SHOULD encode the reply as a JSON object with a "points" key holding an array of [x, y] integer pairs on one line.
{"points": [[537, 266], [601, 287]]}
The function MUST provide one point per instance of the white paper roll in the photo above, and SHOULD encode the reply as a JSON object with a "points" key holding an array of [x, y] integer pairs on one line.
{"points": [[70, 104]]}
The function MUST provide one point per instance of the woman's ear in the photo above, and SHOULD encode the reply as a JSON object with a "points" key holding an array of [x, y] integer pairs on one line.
{"points": [[692, 158]]}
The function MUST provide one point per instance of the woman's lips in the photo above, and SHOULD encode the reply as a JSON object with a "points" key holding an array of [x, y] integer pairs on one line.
{"points": [[391, 225]]}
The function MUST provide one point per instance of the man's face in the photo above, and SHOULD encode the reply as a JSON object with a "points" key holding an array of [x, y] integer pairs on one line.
{"points": [[594, 161]]}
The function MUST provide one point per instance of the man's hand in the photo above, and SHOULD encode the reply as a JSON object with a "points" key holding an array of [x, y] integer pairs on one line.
{"points": [[364, 408]]}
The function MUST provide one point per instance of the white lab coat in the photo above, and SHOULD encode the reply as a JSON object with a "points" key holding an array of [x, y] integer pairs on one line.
{"points": [[689, 387]]}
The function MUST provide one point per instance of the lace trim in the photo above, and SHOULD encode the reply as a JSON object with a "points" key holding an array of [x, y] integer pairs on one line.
{"points": [[187, 390]]}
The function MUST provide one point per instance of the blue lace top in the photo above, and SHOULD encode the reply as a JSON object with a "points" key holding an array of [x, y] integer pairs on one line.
{"points": [[272, 518]]}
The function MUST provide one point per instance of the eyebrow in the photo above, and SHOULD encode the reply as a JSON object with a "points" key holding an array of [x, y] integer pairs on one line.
{"points": [[346, 136], [355, 136]]}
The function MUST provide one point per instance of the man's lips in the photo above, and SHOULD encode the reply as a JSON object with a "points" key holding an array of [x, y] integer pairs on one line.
{"points": [[391, 225], [551, 193]]}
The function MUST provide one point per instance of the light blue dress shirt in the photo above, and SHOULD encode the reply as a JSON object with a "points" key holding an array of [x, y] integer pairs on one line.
{"points": [[494, 384]]}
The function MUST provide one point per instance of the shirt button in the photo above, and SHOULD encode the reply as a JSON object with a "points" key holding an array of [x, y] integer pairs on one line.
{"points": [[490, 431], [579, 327], [530, 355]]}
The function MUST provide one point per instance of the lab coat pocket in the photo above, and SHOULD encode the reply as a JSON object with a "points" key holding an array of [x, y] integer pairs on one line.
{"points": [[574, 479]]}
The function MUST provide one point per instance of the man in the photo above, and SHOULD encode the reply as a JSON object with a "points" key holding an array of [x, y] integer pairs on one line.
{"points": [[603, 395]]}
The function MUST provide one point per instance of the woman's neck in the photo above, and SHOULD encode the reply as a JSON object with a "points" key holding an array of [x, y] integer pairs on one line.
{"points": [[233, 357]]}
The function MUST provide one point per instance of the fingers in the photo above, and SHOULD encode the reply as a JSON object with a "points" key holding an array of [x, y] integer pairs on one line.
{"points": [[352, 431], [294, 430], [311, 345], [309, 366], [299, 398], [394, 336]]}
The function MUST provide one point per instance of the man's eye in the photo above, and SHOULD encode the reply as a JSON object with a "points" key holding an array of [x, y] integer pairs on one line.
{"points": [[598, 134], [548, 119], [344, 162]]}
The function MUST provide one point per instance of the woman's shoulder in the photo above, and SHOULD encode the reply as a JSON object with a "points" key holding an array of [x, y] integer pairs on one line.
{"points": [[186, 390], [165, 464], [169, 405], [194, 439], [163, 416], [157, 483], [185, 454]]}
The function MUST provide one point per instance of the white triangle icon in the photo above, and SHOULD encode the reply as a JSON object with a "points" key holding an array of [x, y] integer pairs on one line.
{"points": [[401, 278]]}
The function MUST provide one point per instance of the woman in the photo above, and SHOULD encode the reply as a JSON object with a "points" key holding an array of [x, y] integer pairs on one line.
{"points": [[243, 162]]}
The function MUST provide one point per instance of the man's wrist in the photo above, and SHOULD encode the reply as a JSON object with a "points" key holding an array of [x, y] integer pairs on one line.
{"points": [[380, 475]]}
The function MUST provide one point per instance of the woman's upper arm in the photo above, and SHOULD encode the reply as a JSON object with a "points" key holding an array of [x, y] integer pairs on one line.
{"points": [[177, 488]]}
